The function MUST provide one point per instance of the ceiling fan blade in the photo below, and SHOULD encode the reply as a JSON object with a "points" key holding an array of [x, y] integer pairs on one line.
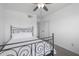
{"points": [[45, 8], [35, 8], [48, 3]]}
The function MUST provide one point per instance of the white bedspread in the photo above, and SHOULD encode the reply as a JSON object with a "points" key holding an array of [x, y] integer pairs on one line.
{"points": [[26, 50]]}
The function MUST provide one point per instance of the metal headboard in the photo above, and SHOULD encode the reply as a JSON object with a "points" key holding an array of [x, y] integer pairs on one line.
{"points": [[18, 30], [49, 40]]}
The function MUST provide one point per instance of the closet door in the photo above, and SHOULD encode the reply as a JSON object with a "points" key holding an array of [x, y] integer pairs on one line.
{"points": [[44, 29]]}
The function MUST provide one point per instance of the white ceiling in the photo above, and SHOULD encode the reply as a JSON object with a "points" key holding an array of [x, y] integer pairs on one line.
{"points": [[28, 8]]}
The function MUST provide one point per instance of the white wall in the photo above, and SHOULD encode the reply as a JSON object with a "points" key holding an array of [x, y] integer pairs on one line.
{"points": [[1, 23], [18, 19], [65, 25]]}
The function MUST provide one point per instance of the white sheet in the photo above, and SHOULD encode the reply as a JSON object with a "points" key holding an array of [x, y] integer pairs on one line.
{"points": [[8, 53]]}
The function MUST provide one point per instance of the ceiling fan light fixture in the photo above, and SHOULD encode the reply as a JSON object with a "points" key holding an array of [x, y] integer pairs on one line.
{"points": [[40, 5]]}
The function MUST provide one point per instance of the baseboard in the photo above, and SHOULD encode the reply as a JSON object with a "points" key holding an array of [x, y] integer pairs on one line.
{"points": [[67, 49]]}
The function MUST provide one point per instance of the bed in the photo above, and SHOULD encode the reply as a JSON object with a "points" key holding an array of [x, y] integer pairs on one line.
{"points": [[23, 43]]}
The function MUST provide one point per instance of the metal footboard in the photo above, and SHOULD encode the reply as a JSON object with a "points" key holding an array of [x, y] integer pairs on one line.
{"points": [[38, 47]]}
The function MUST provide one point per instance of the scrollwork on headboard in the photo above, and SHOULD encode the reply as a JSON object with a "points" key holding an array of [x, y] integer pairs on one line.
{"points": [[18, 30]]}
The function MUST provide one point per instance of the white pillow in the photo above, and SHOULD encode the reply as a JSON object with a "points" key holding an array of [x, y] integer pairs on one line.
{"points": [[19, 37], [22, 35]]}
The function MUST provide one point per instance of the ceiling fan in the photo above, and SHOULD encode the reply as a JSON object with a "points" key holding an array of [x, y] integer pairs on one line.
{"points": [[41, 5]]}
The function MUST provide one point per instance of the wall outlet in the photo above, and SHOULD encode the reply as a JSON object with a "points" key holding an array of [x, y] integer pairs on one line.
{"points": [[72, 44]]}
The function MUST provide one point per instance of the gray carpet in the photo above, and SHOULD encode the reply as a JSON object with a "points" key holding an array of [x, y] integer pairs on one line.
{"points": [[63, 52]]}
